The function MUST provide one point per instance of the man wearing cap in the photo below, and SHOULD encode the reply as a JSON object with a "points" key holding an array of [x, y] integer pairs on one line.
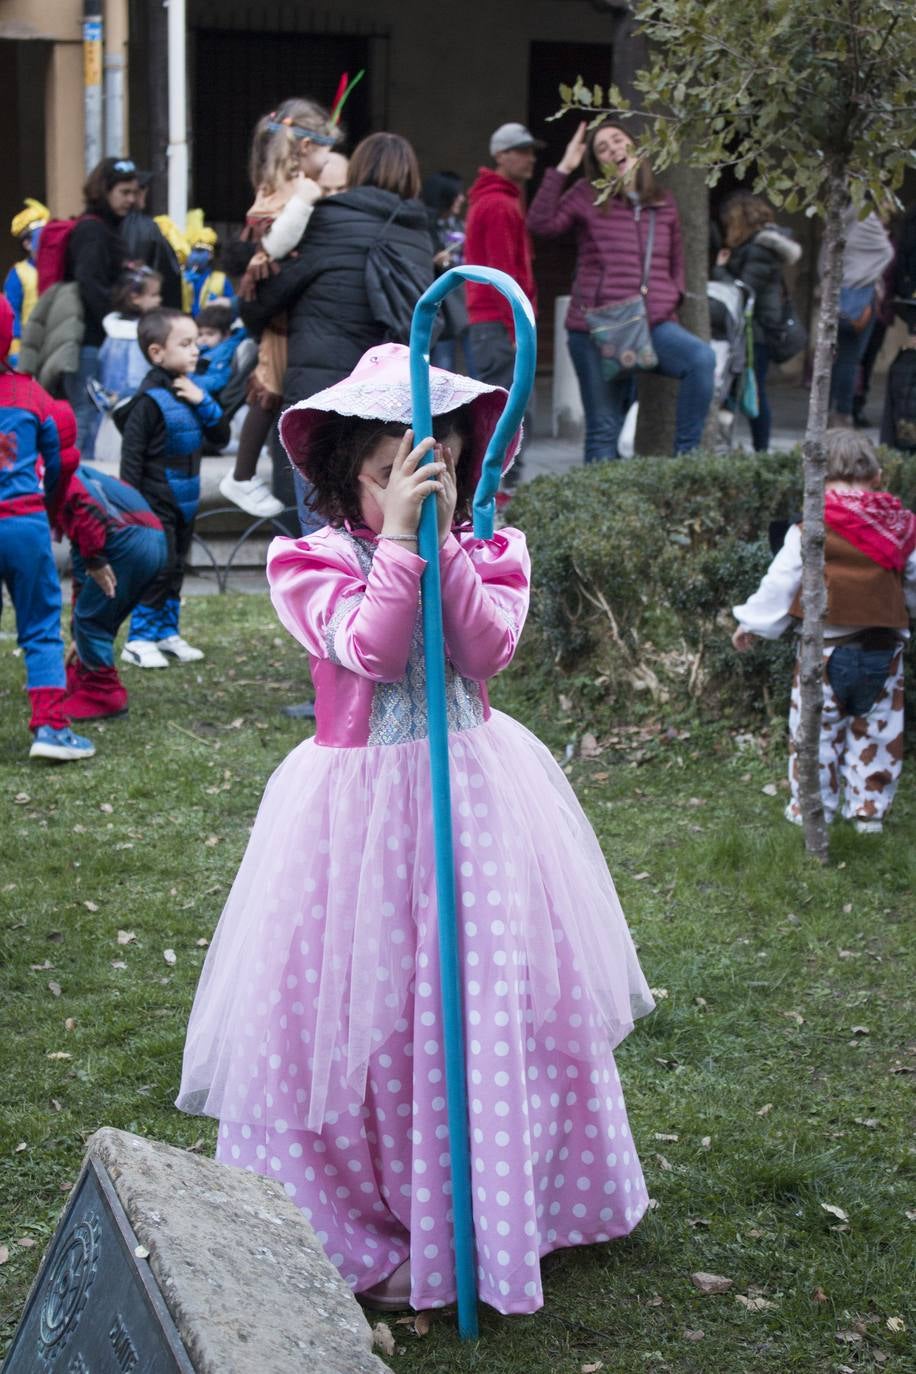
{"points": [[497, 237]]}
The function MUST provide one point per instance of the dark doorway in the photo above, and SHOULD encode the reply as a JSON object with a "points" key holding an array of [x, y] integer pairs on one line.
{"points": [[23, 73], [551, 64], [241, 75]]}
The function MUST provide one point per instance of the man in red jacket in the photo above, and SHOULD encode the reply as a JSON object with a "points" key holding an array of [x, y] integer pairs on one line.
{"points": [[497, 237]]}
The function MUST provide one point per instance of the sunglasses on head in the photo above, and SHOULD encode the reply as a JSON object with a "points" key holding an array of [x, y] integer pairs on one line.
{"points": [[124, 165], [297, 131]]}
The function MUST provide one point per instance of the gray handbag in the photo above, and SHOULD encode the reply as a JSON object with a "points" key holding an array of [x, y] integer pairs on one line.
{"points": [[620, 331]]}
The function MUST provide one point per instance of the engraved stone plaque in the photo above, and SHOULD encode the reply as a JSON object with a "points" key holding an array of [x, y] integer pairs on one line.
{"points": [[94, 1307]]}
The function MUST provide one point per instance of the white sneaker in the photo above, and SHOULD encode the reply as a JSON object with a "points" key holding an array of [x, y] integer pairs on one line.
{"points": [[866, 827], [142, 653], [254, 496], [179, 649]]}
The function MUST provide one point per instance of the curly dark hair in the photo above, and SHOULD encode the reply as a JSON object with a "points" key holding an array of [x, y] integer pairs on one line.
{"points": [[340, 444]]}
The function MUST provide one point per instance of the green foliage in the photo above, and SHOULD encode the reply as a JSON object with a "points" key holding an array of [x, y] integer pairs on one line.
{"points": [[636, 567], [786, 90]]}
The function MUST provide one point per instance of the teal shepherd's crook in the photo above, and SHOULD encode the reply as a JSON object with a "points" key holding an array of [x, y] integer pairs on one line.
{"points": [[434, 649]]}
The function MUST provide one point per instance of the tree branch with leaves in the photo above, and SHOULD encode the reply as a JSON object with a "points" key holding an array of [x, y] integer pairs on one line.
{"points": [[813, 105]]}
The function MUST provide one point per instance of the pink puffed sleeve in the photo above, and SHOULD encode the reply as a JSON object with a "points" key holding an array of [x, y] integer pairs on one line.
{"points": [[324, 599], [485, 589]]}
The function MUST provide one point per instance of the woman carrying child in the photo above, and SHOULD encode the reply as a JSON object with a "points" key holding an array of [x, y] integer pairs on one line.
{"points": [[870, 569], [316, 1033], [288, 151]]}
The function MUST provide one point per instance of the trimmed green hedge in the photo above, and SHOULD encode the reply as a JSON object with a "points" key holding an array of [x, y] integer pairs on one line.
{"points": [[635, 568]]}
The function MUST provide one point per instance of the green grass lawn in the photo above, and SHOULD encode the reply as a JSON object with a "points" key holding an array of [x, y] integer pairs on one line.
{"points": [[770, 1094]]}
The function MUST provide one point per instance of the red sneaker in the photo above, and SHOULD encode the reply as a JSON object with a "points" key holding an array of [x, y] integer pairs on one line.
{"points": [[97, 692]]}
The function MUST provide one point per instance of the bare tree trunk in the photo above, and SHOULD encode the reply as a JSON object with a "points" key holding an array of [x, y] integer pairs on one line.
{"points": [[657, 394], [814, 591]]}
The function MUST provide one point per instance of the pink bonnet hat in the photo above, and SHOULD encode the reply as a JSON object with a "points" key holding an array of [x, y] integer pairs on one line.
{"points": [[378, 388]]}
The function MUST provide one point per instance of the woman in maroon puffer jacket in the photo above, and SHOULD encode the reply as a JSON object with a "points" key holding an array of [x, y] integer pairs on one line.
{"points": [[611, 241]]}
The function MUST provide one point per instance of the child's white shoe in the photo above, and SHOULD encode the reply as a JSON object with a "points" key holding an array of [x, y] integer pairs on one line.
{"points": [[179, 649], [143, 653], [867, 827], [253, 496]]}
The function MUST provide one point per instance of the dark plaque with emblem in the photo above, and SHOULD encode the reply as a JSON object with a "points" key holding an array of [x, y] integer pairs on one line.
{"points": [[94, 1307]]}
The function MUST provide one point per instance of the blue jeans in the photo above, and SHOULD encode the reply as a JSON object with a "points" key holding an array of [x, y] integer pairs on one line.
{"points": [[136, 553], [88, 418], [680, 354], [27, 567], [858, 675], [850, 350]]}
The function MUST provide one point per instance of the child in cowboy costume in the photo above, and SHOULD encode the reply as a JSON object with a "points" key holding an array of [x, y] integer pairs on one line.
{"points": [[870, 569]]}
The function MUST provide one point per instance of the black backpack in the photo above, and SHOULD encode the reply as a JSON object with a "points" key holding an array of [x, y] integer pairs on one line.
{"points": [[394, 284]]}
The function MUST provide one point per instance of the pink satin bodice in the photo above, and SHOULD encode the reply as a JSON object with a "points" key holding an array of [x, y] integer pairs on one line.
{"points": [[354, 603]]}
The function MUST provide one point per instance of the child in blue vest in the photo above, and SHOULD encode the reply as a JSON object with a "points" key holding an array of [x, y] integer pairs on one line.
{"points": [[29, 468], [163, 428]]}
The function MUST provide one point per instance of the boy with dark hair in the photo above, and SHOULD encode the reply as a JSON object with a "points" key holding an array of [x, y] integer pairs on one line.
{"points": [[218, 343], [163, 427]]}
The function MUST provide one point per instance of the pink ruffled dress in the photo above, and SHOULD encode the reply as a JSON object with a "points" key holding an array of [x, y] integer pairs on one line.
{"points": [[315, 1036]]}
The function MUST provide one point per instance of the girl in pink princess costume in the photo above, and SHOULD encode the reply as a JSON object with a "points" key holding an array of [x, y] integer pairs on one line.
{"points": [[316, 1034]]}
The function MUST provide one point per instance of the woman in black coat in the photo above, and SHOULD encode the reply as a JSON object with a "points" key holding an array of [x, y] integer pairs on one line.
{"points": [[339, 297], [755, 253], [95, 260]]}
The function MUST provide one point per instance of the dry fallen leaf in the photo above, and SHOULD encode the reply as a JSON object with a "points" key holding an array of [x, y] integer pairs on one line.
{"points": [[769, 789], [107, 808], [201, 943], [382, 1337], [126, 937], [91, 906], [834, 1211], [211, 841], [895, 1324], [659, 1135], [118, 963], [591, 1368], [422, 1323], [655, 1301], [41, 968], [27, 1242], [754, 1304], [910, 1214], [711, 1283], [640, 877], [658, 993], [170, 956], [59, 1054], [141, 1252], [849, 1337], [693, 1335], [860, 1030], [20, 1147], [765, 1109], [589, 747], [871, 1122], [4, 1254], [70, 1023], [705, 1142], [795, 1016], [54, 988], [819, 1295]]}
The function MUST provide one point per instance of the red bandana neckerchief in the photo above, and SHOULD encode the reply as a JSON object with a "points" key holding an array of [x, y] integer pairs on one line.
{"points": [[875, 522]]}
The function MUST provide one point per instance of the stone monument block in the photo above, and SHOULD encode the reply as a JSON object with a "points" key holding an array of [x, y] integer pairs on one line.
{"points": [[168, 1263]]}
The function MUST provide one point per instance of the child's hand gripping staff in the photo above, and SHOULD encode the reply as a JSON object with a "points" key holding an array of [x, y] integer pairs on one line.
{"points": [[434, 648]]}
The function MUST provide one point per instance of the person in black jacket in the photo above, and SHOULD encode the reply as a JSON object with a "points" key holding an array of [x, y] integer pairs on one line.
{"points": [[95, 260], [144, 242], [374, 235], [756, 251]]}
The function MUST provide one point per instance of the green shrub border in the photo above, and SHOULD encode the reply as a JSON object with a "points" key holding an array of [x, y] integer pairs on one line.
{"points": [[636, 566]]}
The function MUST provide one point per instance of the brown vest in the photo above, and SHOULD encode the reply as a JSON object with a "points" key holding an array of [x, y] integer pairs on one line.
{"points": [[859, 590]]}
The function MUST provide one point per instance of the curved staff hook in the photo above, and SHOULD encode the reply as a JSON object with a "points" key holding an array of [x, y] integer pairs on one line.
{"points": [[434, 651]]}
